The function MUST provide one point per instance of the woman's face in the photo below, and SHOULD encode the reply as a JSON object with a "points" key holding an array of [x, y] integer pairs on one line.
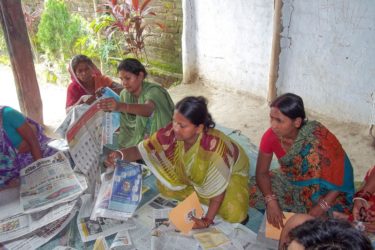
{"points": [[83, 72], [131, 82], [185, 130], [282, 125], [294, 245]]}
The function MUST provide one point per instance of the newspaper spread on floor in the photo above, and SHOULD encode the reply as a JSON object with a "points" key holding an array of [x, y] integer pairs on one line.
{"points": [[92, 229], [40, 236], [19, 224]]}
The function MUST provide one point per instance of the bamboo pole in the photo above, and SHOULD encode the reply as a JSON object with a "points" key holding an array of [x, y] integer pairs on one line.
{"points": [[275, 52]]}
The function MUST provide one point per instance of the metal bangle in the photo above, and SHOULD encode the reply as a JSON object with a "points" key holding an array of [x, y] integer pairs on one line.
{"points": [[121, 153]]}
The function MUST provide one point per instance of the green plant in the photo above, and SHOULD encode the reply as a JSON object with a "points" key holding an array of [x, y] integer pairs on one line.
{"points": [[4, 57], [101, 51], [32, 17], [130, 22], [58, 30]]}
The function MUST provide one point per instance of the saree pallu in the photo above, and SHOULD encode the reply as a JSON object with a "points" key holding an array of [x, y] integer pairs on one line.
{"points": [[134, 128], [315, 165], [213, 165], [11, 162]]}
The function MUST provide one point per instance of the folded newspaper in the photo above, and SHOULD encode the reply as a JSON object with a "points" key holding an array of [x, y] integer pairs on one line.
{"points": [[48, 182], [120, 192], [92, 229]]}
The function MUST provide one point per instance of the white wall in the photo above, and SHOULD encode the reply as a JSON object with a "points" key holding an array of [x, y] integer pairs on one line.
{"points": [[327, 57], [232, 42]]}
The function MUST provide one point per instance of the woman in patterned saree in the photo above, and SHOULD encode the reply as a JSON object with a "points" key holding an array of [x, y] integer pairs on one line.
{"points": [[87, 81], [315, 175], [190, 155], [22, 142]]}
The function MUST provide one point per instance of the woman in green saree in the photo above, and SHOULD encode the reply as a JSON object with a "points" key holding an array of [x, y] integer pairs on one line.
{"points": [[190, 155], [145, 107]]}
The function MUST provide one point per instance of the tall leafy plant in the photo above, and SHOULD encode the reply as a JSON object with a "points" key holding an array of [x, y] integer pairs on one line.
{"points": [[58, 30], [128, 21]]}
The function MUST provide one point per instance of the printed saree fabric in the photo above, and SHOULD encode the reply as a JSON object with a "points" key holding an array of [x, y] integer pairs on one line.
{"points": [[134, 128], [11, 162], [314, 165], [213, 165]]}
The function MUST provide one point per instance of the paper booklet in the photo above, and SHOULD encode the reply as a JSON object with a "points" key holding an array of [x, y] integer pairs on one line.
{"points": [[181, 215]]}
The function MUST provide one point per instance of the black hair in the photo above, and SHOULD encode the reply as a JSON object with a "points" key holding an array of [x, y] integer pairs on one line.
{"points": [[195, 110], [79, 59], [329, 234], [132, 65], [290, 105]]}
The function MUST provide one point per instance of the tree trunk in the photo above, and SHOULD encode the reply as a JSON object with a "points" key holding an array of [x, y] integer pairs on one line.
{"points": [[18, 43]]}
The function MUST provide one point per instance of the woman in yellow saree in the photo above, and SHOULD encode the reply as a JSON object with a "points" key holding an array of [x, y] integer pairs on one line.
{"points": [[190, 155]]}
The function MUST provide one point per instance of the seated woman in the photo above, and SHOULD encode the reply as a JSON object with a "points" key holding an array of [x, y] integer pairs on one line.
{"points": [[22, 142], [145, 107], [190, 155], [315, 174], [87, 80], [364, 203], [324, 234]]}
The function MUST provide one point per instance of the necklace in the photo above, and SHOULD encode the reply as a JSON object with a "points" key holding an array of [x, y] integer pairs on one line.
{"points": [[286, 143]]}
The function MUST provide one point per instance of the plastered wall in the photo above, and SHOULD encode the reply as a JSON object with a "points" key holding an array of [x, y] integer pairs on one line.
{"points": [[327, 51], [228, 42]]}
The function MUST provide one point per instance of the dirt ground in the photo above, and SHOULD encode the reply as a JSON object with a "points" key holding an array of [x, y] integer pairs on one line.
{"points": [[232, 109]]}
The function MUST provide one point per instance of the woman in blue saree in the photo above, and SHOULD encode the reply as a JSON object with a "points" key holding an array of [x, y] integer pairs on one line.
{"points": [[22, 142]]}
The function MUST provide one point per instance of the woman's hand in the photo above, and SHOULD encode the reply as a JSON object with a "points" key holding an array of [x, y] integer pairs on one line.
{"points": [[274, 214], [317, 211], [358, 206], [111, 159], [87, 99], [99, 92], [108, 104], [201, 223]]}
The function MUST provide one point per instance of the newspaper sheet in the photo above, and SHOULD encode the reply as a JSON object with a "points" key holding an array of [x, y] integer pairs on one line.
{"points": [[84, 138], [20, 224], [140, 237], [40, 236], [101, 244], [71, 117], [145, 213], [122, 241], [165, 236], [92, 229], [120, 192], [48, 182]]}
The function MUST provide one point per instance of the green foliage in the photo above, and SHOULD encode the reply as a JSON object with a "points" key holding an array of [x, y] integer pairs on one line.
{"points": [[127, 22], [4, 57], [58, 30]]}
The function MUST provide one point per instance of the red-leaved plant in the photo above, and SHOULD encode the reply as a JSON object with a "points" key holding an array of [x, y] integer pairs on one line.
{"points": [[128, 19]]}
